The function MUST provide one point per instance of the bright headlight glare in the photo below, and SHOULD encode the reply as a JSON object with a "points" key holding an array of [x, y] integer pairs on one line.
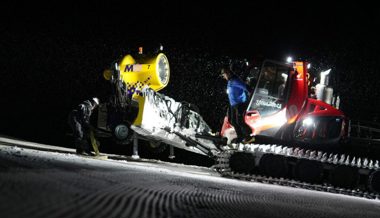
{"points": [[308, 121]]}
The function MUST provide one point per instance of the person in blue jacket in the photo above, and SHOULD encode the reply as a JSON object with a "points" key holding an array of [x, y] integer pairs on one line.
{"points": [[238, 96]]}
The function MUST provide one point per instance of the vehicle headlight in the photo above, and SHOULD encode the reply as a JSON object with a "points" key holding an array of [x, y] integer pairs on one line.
{"points": [[308, 121]]}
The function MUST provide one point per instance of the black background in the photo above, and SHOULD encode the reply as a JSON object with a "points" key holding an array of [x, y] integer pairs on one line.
{"points": [[52, 55]]}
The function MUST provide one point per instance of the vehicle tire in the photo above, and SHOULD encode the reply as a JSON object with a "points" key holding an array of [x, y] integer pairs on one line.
{"points": [[122, 134], [242, 162], [274, 165], [344, 177], [374, 181], [308, 171]]}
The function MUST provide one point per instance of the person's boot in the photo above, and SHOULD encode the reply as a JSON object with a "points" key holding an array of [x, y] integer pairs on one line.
{"points": [[236, 140], [79, 150], [87, 150], [89, 153], [248, 140], [79, 147]]}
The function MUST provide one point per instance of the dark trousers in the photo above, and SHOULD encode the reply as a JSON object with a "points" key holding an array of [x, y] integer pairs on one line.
{"points": [[80, 133], [237, 113]]}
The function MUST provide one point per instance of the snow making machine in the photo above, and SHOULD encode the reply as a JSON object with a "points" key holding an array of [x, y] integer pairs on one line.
{"points": [[300, 136], [136, 111]]}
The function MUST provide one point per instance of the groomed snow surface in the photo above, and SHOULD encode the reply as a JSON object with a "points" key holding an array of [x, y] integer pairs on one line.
{"points": [[35, 183]]}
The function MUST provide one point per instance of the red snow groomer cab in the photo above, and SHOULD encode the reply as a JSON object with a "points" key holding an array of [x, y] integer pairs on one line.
{"points": [[282, 108]]}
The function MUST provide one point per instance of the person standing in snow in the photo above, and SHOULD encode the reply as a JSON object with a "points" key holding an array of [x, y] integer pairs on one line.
{"points": [[238, 98], [79, 121]]}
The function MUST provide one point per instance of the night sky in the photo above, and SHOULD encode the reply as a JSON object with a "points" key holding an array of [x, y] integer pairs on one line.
{"points": [[52, 56]]}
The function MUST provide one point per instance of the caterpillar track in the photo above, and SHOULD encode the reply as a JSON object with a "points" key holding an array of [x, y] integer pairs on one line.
{"points": [[294, 167]]}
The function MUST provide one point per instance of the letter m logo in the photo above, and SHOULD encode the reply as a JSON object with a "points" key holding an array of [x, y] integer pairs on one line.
{"points": [[128, 68]]}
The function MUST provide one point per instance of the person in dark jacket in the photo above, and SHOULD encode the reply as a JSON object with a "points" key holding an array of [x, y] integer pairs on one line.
{"points": [[79, 121], [238, 96]]}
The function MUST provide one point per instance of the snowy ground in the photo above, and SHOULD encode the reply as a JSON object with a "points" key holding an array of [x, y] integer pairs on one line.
{"points": [[35, 183]]}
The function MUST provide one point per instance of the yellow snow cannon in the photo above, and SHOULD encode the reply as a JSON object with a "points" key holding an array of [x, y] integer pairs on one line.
{"points": [[141, 71], [137, 72]]}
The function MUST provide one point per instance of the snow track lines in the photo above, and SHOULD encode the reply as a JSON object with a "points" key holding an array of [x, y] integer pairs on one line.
{"points": [[48, 184]]}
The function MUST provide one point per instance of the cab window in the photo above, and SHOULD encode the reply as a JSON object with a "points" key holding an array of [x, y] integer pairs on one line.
{"points": [[271, 90]]}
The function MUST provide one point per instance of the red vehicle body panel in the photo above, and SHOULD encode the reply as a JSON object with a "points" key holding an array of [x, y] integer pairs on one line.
{"points": [[296, 108]]}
